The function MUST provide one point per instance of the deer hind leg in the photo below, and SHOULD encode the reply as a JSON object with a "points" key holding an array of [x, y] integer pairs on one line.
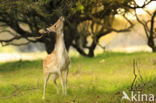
{"points": [[46, 78], [66, 75], [55, 76]]}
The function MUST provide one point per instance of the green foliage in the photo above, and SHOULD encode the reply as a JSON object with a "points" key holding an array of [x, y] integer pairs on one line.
{"points": [[39, 13], [91, 80], [80, 7]]}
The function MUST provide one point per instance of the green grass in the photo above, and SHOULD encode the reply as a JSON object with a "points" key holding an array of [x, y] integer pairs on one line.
{"points": [[91, 80]]}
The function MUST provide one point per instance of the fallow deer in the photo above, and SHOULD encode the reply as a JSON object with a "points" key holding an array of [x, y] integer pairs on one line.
{"points": [[58, 61]]}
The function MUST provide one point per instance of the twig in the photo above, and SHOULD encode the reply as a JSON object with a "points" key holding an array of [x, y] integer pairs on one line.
{"points": [[19, 90], [144, 5], [103, 47], [16, 92], [146, 29], [74, 101], [135, 75], [131, 25], [139, 72], [14, 44]]}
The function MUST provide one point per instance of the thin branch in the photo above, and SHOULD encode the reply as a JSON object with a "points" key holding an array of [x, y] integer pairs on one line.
{"points": [[8, 31], [103, 33], [81, 51], [16, 92], [125, 29], [14, 38], [139, 72], [144, 25], [103, 47], [14, 44], [3, 25], [144, 5], [135, 75], [148, 12], [30, 40]]}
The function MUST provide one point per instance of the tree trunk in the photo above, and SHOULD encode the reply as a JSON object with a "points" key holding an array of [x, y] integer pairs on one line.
{"points": [[151, 44], [92, 48], [151, 37]]}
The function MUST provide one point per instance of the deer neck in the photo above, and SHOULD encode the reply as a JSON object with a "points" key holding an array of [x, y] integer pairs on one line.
{"points": [[59, 45]]}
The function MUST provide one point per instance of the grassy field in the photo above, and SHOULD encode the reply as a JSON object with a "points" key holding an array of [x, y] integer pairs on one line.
{"points": [[91, 80]]}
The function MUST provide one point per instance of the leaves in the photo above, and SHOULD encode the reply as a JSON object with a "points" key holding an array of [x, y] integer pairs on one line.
{"points": [[39, 13]]}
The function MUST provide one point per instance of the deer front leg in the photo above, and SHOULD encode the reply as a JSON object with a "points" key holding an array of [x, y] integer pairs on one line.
{"points": [[46, 78]]}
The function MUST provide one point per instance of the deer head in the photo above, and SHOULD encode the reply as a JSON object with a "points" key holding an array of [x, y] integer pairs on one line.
{"points": [[58, 26]]}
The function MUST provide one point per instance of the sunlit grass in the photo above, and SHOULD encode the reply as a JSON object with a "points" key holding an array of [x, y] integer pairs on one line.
{"points": [[91, 80]]}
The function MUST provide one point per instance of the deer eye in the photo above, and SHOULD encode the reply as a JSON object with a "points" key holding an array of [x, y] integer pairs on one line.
{"points": [[55, 26]]}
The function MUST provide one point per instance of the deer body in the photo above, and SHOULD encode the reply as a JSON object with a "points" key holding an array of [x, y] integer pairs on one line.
{"points": [[58, 61]]}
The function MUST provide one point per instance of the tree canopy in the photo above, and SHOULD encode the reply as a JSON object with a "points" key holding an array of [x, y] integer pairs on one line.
{"points": [[27, 19]]}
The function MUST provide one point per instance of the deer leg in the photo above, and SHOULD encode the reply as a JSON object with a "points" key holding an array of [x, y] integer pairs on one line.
{"points": [[66, 75], [55, 76], [62, 82], [46, 78]]}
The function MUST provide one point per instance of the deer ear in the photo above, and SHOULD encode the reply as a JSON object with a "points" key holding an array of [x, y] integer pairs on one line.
{"points": [[62, 18]]}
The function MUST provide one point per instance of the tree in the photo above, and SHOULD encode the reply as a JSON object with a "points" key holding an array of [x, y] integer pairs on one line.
{"points": [[147, 21], [36, 14], [96, 13], [149, 29], [15, 13]]}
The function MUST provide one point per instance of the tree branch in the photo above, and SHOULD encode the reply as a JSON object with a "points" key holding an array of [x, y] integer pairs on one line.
{"points": [[144, 25], [14, 44], [79, 49], [8, 31], [14, 38], [152, 24], [144, 5], [126, 29]]}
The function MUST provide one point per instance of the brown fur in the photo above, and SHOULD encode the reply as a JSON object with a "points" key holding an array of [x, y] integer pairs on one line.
{"points": [[58, 61]]}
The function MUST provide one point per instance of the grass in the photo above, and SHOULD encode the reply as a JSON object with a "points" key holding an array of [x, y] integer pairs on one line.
{"points": [[91, 80]]}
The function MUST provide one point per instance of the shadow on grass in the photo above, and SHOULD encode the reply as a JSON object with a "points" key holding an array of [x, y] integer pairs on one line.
{"points": [[12, 66], [17, 65], [106, 55]]}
